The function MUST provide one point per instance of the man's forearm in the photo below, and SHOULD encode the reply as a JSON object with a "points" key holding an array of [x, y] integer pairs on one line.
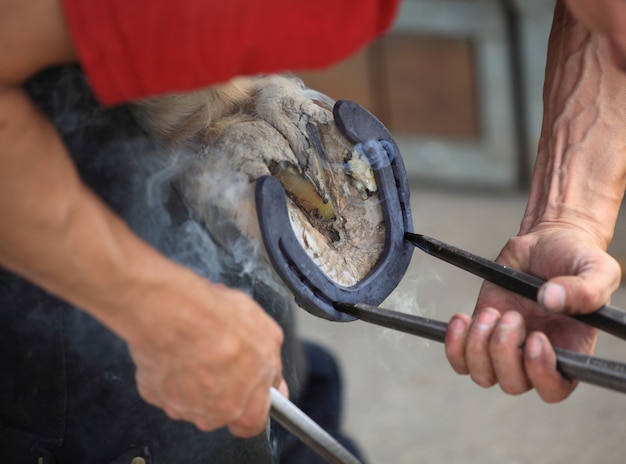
{"points": [[54, 230], [580, 170]]}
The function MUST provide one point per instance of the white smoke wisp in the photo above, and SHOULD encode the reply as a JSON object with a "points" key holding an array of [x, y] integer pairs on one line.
{"points": [[205, 240], [221, 199], [406, 299]]}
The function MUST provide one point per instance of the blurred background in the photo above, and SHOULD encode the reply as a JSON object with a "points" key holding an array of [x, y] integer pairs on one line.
{"points": [[459, 84]]}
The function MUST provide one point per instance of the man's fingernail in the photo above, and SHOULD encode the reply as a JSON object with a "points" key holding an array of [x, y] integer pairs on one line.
{"points": [[552, 297], [534, 346], [283, 388], [486, 320], [457, 326], [510, 320]]}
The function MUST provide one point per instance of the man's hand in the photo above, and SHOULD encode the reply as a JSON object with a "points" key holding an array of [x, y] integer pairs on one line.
{"points": [[207, 354], [488, 346]]}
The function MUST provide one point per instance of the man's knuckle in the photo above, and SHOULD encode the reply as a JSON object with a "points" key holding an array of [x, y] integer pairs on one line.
{"points": [[482, 380], [514, 388], [228, 350]]}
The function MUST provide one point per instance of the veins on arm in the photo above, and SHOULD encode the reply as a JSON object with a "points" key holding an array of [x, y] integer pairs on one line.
{"points": [[579, 176]]}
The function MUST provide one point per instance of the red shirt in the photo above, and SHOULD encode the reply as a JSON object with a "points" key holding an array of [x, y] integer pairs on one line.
{"points": [[136, 48]]}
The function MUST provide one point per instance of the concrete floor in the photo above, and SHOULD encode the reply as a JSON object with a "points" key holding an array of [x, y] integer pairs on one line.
{"points": [[405, 405]]}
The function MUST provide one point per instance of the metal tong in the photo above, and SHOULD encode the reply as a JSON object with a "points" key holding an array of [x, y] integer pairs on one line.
{"points": [[322, 297], [589, 369], [607, 318]]}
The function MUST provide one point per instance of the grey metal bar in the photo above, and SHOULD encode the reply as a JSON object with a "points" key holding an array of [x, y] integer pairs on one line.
{"points": [[302, 426]]}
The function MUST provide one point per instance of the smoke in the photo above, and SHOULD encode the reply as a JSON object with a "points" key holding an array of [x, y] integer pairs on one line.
{"points": [[408, 298], [131, 172], [379, 153], [158, 215]]}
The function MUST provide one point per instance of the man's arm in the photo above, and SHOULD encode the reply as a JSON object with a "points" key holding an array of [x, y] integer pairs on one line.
{"points": [[576, 191], [204, 353], [33, 36]]}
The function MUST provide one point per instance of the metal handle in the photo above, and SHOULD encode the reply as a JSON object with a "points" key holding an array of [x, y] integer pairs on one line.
{"points": [[302, 426], [595, 371]]}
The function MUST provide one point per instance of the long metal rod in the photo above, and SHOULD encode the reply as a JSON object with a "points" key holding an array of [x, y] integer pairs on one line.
{"points": [[589, 369], [302, 426], [607, 318]]}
